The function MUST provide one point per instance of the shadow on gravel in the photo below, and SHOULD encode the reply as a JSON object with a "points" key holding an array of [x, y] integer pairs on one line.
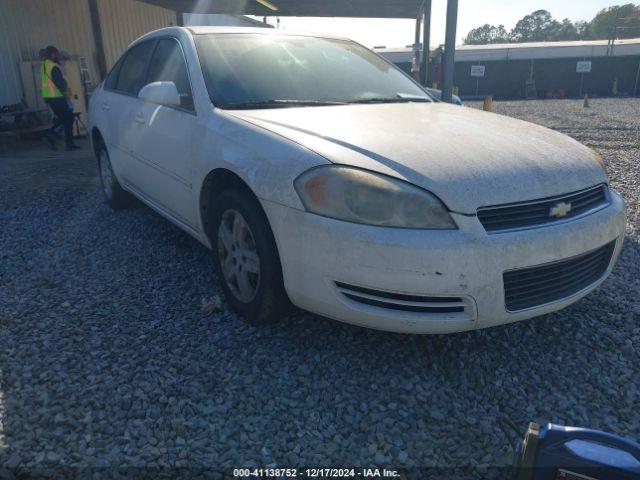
{"points": [[108, 360]]}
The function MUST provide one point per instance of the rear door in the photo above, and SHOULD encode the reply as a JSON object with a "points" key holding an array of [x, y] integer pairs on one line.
{"points": [[119, 101], [163, 139], [107, 107]]}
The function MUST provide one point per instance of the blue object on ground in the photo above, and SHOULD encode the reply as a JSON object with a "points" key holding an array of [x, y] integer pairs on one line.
{"points": [[567, 453]]}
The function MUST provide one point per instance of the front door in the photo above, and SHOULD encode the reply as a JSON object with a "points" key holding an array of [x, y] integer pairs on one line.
{"points": [[162, 144], [118, 101]]}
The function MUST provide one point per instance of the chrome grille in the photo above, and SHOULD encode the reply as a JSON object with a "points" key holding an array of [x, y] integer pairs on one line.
{"points": [[402, 302], [536, 286], [541, 212]]}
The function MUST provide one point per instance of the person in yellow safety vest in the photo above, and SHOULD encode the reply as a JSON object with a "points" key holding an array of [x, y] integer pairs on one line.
{"points": [[56, 93]]}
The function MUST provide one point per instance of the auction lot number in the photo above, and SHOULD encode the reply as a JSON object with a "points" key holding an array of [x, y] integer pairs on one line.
{"points": [[314, 473]]}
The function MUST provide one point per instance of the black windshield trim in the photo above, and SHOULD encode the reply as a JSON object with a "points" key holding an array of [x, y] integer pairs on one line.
{"points": [[276, 103], [390, 100]]}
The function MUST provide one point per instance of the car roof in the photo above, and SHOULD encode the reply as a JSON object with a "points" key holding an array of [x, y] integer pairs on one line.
{"points": [[255, 30], [178, 31]]}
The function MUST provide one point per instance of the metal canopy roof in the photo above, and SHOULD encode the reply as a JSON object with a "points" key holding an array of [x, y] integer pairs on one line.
{"points": [[297, 8]]}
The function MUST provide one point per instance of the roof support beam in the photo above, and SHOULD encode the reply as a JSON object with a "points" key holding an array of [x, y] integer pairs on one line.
{"points": [[94, 12], [426, 42], [415, 65], [450, 51], [296, 8]]}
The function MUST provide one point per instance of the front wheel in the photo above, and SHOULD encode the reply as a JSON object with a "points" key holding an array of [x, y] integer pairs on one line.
{"points": [[246, 258], [116, 197]]}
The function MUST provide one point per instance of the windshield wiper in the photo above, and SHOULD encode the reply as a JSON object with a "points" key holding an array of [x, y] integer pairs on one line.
{"points": [[393, 100], [278, 104]]}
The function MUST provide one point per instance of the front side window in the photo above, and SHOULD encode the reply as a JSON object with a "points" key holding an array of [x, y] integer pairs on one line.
{"points": [[168, 65], [134, 66], [247, 69]]}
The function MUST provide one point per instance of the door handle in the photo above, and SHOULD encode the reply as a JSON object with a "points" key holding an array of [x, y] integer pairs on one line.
{"points": [[139, 118], [106, 107]]}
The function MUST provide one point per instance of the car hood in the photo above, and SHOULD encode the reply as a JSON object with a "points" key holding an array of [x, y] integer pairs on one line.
{"points": [[468, 158]]}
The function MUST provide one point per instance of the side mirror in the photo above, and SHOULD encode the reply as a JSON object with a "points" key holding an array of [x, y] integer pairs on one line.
{"points": [[161, 93]]}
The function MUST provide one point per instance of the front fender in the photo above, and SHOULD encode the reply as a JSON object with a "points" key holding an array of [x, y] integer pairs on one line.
{"points": [[267, 162]]}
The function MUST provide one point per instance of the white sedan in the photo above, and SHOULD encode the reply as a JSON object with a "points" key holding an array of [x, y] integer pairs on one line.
{"points": [[320, 174]]}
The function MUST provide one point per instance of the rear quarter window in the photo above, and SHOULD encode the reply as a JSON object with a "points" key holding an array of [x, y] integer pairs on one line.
{"points": [[112, 79]]}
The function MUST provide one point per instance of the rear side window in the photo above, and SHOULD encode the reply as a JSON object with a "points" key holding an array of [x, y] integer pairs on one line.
{"points": [[132, 72], [168, 65]]}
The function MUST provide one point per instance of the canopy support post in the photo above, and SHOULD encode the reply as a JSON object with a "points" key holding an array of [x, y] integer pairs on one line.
{"points": [[94, 13], [415, 64], [450, 51], [425, 73]]}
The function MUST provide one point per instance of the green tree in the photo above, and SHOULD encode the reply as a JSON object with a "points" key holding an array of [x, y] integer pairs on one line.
{"points": [[487, 34], [621, 21], [567, 30], [584, 30], [536, 27]]}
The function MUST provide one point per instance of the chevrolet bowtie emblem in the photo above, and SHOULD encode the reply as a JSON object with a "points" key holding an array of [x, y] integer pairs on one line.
{"points": [[560, 210]]}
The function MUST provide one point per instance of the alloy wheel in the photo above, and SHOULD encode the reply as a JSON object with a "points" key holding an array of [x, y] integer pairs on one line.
{"points": [[106, 174], [239, 259]]}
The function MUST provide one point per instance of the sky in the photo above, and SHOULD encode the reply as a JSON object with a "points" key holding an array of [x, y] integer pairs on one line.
{"points": [[471, 14]]}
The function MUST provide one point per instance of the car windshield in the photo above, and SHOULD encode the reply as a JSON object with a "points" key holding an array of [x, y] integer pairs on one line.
{"points": [[244, 71]]}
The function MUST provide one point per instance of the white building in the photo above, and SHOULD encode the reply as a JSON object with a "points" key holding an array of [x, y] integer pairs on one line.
{"points": [[543, 69]]}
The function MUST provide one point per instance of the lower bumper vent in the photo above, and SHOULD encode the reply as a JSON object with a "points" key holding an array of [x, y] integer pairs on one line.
{"points": [[537, 286], [401, 302]]}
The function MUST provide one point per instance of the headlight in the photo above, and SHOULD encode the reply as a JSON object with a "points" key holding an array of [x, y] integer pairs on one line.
{"points": [[359, 196]]}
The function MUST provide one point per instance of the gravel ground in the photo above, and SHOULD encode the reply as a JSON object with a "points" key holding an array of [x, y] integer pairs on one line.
{"points": [[109, 360]]}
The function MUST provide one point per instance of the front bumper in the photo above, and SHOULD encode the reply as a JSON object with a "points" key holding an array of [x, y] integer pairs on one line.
{"points": [[468, 264]]}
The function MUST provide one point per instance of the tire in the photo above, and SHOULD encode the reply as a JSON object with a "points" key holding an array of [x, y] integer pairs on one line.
{"points": [[260, 298], [116, 197]]}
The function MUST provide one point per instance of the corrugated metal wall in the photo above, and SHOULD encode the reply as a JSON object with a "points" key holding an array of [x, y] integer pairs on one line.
{"points": [[507, 79], [125, 20], [27, 26]]}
